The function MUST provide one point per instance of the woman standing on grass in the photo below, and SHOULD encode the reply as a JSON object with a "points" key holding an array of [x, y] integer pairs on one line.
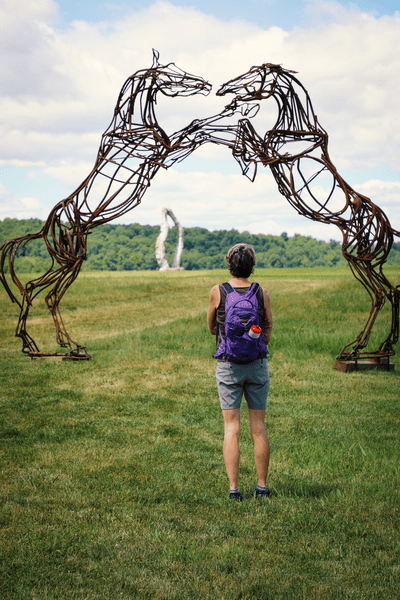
{"points": [[237, 376]]}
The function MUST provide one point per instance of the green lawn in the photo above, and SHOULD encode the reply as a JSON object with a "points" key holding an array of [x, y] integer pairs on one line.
{"points": [[112, 478]]}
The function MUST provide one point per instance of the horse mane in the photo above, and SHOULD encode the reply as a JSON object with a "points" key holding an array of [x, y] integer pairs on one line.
{"points": [[130, 92], [294, 113]]}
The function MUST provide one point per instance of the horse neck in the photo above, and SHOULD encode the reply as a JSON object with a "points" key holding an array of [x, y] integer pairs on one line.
{"points": [[294, 114], [150, 119], [139, 109]]}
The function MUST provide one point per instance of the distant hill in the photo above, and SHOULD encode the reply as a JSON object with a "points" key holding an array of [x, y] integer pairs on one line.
{"points": [[132, 247]]}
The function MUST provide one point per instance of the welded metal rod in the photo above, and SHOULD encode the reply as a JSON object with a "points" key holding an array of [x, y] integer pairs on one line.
{"points": [[135, 147]]}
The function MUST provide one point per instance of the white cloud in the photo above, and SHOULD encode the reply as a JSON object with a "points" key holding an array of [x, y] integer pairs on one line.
{"points": [[30, 175], [15, 207], [351, 69], [59, 88], [386, 194], [70, 173], [26, 44]]}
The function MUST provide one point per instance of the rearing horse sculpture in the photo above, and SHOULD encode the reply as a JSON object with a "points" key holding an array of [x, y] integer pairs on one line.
{"points": [[134, 147], [296, 150], [132, 150]]}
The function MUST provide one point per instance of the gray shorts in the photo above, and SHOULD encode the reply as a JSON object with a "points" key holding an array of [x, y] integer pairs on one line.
{"points": [[234, 380]]}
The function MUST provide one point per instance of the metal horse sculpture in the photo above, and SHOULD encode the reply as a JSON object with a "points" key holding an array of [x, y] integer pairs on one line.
{"points": [[132, 150], [296, 150]]}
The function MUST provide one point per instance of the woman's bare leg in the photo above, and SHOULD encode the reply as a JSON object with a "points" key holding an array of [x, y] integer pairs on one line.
{"points": [[231, 445], [261, 444]]}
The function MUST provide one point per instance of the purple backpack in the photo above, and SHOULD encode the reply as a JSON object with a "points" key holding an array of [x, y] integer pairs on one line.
{"points": [[241, 312]]}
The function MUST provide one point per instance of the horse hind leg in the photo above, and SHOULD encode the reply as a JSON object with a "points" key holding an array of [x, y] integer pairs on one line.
{"points": [[393, 295], [379, 290], [356, 348], [385, 291]]}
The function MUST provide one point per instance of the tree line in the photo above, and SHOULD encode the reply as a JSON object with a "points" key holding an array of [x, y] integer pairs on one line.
{"points": [[132, 248]]}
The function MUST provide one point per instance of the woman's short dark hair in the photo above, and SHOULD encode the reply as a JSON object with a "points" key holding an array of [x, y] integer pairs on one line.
{"points": [[241, 259]]}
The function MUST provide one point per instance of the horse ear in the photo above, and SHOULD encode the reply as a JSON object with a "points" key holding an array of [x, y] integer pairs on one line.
{"points": [[156, 56]]}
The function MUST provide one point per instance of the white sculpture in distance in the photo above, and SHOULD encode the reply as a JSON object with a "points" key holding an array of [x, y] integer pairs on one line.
{"points": [[160, 242]]}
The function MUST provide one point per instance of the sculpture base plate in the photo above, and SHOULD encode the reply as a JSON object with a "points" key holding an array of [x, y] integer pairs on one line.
{"points": [[58, 356], [347, 366]]}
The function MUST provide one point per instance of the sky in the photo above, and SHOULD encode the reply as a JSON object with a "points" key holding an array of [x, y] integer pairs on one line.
{"points": [[63, 64]]}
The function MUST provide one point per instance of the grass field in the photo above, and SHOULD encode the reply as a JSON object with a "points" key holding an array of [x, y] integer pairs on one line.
{"points": [[112, 478]]}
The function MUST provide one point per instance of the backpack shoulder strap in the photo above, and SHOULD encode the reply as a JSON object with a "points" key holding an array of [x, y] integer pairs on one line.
{"points": [[228, 288], [254, 287], [252, 291]]}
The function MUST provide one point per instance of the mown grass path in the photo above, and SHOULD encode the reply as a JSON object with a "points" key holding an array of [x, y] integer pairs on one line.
{"points": [[112, 477]]}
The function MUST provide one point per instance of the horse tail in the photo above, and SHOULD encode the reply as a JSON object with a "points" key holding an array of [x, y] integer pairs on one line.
{"points": [[8, 253]]}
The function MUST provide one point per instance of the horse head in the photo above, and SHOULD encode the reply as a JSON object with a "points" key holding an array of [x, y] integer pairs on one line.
{"points": [[271, 80], [172, 81], [142, 87], [257, 84], [296, 120]]}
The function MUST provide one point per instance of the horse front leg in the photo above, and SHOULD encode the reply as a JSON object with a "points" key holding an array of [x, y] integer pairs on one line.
{"points": [[28, 343], [53, 300]]}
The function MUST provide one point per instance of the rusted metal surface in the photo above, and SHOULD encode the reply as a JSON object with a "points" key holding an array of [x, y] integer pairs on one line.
{"points": [[132, 150], [135, 147], [376, 363], [296, 151]]}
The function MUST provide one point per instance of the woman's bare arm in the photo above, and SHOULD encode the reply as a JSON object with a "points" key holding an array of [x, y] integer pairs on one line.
{"points": [[213, 304], [267, 324]]}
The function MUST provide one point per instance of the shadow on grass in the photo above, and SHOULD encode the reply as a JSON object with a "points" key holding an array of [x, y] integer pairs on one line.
{"points": [[298, 487]]}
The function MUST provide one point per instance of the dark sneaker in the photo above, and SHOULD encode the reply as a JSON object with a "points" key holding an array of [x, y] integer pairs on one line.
{"points": [[260, 493], [235, 496]]}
